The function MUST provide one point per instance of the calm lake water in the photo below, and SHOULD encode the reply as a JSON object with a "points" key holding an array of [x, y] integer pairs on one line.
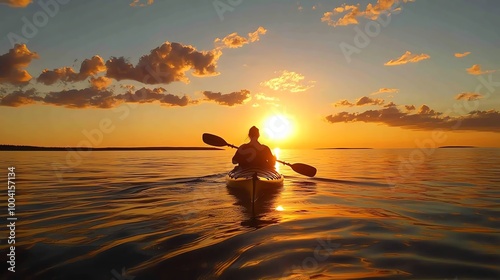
{"points": [[168, 215]]}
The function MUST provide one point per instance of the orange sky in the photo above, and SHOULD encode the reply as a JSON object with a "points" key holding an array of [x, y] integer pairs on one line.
{"points": [[309, 74]]}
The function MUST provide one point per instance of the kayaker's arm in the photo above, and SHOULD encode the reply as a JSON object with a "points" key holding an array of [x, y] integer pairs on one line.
{"points": [[273, 161], [270, 158], [235, 157], [238, 157]]}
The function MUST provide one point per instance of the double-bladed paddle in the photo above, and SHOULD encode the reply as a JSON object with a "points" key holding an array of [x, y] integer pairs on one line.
{"points": [[301, 168]]}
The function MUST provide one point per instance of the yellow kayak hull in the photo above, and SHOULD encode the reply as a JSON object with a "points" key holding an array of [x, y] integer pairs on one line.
{"points": [[254, 181]]}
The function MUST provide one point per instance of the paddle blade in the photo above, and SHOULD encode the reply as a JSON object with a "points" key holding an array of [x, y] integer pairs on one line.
{"points": [[213, 140], [304, 169]]}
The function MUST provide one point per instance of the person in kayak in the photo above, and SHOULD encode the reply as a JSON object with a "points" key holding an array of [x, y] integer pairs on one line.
{"points": [[253, 153]]}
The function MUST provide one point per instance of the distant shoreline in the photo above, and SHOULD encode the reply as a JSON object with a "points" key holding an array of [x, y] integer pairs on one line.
{"points": [[344, 148], [37, 148], [457, 147], [442, 147]]}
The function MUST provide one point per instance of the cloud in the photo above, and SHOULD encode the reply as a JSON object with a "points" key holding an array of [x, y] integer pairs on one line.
{"points": [[374, 11], [368, 101], [74, 98], [128, 87], [288, 81], [140, 3], [12, 64], [88, 68], [353, 12], [20, 98], [81, 98], [99, 82], [230, 99], [476, 70], [469, 96], [165, 64], [362, 101], [423, 119], [93, 98], [98, 97], [425, 110], [255, 36], [145, 95], [407, 57], [49, 77], [234, 40], [268, 100], [261, 96], [386, 90], [410, 107], [347, 19], [343, 103], [460, 55], [16, 3], [92, 66]]}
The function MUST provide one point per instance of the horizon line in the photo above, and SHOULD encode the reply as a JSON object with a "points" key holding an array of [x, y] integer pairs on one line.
{"points": [[10, 147]]}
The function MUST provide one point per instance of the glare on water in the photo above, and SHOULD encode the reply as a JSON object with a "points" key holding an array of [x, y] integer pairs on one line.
{"points": [[170, 213]]}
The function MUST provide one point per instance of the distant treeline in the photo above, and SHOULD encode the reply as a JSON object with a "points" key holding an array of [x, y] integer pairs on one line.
{"points": [[36, 148], [461, 147]]}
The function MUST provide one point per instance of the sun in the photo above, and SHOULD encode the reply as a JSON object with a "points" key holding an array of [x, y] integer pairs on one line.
{"points": [[278, 127]]}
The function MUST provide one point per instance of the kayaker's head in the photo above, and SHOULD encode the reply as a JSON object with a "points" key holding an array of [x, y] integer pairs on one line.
{"points": [[253, 133]]}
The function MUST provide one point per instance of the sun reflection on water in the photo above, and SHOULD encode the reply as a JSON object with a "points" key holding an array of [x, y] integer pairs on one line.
{"points": [[276, 152]]}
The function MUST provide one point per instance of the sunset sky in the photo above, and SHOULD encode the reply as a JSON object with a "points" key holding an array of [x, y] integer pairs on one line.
{"points": [[310, 74]]}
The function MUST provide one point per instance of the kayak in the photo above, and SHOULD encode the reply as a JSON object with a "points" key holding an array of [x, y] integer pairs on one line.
{"points": [[254, 181]]}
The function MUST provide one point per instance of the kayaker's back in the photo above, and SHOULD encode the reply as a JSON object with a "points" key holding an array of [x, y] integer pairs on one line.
{"points": [[250, 155]]}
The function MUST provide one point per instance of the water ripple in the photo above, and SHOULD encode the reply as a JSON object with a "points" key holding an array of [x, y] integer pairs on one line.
{"points": [[161, 215]]}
